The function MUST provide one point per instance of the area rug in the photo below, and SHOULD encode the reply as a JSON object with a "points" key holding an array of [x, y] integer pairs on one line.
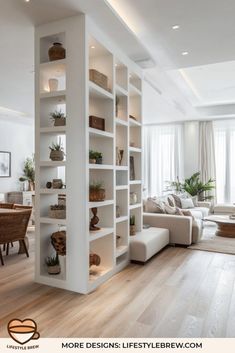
{"points": [[210, 242]]}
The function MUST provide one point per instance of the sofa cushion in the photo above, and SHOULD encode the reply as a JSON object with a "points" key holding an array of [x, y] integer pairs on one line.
{"points": [[196, 231], [154, 205], [187, 203], [204, 210], [171, 200]]}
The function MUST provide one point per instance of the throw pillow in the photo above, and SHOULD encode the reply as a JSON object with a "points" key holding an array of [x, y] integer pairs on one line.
{"points": [[187, 203], [177, 200], [179, 212], [153, 205], [171, 201], [169, 209], [188, 213]]}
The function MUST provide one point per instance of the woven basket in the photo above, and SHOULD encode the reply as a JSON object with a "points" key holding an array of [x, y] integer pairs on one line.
{"points": [[58, 214], [57, 155], [97, 195], [53, 270], [98, 78], [60, 122]]}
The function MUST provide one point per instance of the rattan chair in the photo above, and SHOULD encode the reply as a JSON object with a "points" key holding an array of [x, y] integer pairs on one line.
{"points": [[6, 205], [13, 227]]}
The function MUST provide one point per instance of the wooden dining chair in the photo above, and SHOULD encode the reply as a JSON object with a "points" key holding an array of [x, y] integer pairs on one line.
{"points": [[6, 205], [13, 227]]}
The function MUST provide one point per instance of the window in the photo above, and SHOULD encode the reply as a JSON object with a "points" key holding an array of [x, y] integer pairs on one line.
{"points": [[224, 159], [163, 157]]}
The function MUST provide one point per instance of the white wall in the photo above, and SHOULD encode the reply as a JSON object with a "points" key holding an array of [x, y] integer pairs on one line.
{"points": [[17, 138], [191, 148]]}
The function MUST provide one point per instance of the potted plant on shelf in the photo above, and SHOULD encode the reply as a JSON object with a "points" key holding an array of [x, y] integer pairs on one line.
{"points": [[53, 265], [57, 153], [29, 173], [95, 157], [132, 225], [57, 211], [96, 192], [58, 118]]}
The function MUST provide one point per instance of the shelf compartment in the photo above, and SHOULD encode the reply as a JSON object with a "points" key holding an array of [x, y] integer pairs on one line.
{"points": [[104, 176], [48, 220], [135, 107], [93, 235], [53, 70], [121, 75], [106, 219], [135, 81], [121, 122], [46, 43], [135, 138], [100, 133], [101, 166], [101, 203], [53, 130], [120, 250], [122, 261], [121, 107], [104, 145], [122, 231], [121, 219], [133, 91], [99, 92], [137, 212], [135, 149], [137, 205], [122, 201], [121, 177], [122, 144], [54, 94]]}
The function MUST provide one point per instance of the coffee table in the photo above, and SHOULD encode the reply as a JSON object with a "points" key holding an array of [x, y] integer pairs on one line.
{"points": [[225, 225]]}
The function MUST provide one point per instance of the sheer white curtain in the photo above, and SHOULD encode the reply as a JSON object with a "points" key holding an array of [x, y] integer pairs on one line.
{"points": [[225, 160], [163, 157]]}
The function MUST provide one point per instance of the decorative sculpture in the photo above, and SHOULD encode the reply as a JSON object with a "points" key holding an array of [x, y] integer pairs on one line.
{"points": [[94, 220]]}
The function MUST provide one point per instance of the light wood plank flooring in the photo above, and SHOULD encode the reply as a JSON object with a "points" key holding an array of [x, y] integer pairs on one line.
{"points": [[179, 293]]}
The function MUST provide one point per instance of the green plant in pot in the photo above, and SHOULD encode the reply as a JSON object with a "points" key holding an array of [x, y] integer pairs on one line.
{"points": [[195, 187], [57, 153], [132, 225], [58, 118], [96, 192], [53, 265], [29, 173], [95, 157]]}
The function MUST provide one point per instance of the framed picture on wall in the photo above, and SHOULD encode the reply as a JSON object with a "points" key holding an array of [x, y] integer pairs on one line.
{"points": [[5, 164]]}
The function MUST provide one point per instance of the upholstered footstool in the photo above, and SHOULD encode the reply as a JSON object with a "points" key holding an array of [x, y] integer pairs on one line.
{"points": [[224, 208], [147, 243]]}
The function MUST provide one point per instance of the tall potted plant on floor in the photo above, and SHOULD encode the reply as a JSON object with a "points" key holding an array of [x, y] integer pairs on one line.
{"points": [[29, 173]]}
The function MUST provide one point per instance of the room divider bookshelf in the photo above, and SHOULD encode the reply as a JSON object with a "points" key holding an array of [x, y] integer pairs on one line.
{"points": [[78, 98]]}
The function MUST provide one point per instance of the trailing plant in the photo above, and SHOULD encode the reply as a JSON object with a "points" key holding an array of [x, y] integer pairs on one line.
{"points": [[95, 154], [132, 220], [57, 114], [28, 170], [52, 260], [96, 185], [56, 146]]}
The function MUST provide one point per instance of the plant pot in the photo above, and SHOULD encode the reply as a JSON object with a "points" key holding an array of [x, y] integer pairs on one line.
{"points": [[97, 195], [57, 155], [53, 84], [92, 161], [58, 214], [99, 160], [133, 198], [132, 230], [60, 122], [56, 52], [31, 185], [53, 270]]}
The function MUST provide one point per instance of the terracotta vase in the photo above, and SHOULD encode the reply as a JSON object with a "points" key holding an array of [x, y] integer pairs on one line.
{"points": [[56, 52]]}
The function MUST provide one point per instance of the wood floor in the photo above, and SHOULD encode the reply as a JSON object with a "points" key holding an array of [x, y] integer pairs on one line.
{"points": [[179, 293]]}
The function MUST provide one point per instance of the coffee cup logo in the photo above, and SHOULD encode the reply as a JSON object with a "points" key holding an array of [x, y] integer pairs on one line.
{"points": [[23, 331]]}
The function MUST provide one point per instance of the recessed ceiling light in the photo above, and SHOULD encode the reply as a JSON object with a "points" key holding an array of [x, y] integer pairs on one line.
{"points": [[26, 0], [175, 27], [92, 47], [185, 53]]}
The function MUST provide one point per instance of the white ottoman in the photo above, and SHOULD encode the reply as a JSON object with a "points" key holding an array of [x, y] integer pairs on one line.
{"points": [[224, 208], [147, 243]]}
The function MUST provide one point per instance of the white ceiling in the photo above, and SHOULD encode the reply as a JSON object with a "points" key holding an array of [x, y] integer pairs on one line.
{"points": [[202, 78]]}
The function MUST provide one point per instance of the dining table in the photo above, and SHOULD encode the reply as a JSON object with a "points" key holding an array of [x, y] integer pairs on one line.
{"points": [[10, 211]]}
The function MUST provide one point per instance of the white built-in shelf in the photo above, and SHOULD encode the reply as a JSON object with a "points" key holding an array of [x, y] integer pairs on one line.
{"points": [[121, 167], [54, 94], [134, 123], [135, 149], [98, 92], [121, 91], [121, 187], [135, 182], [121, 122], [56, 130], [120, 250], [137, 205], [49, 220], [101, 203], [101, 166], [134, 91], [100, 133], [55, 68], [57, 278], [121, 219], [52, 164], [100, 233], [98, 272], [53, 191]]}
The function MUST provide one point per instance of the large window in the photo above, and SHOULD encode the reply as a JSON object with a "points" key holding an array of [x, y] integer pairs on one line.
{"points": [[163, 157], [225, 160]]}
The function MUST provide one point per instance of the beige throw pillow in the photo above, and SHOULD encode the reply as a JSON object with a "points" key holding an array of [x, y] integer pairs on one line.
{"points": [[154, 205], [177, 200], [171, 201]]}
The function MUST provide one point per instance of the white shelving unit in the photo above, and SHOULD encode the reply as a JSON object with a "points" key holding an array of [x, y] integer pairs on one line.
{"points": [[78, 98]]}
